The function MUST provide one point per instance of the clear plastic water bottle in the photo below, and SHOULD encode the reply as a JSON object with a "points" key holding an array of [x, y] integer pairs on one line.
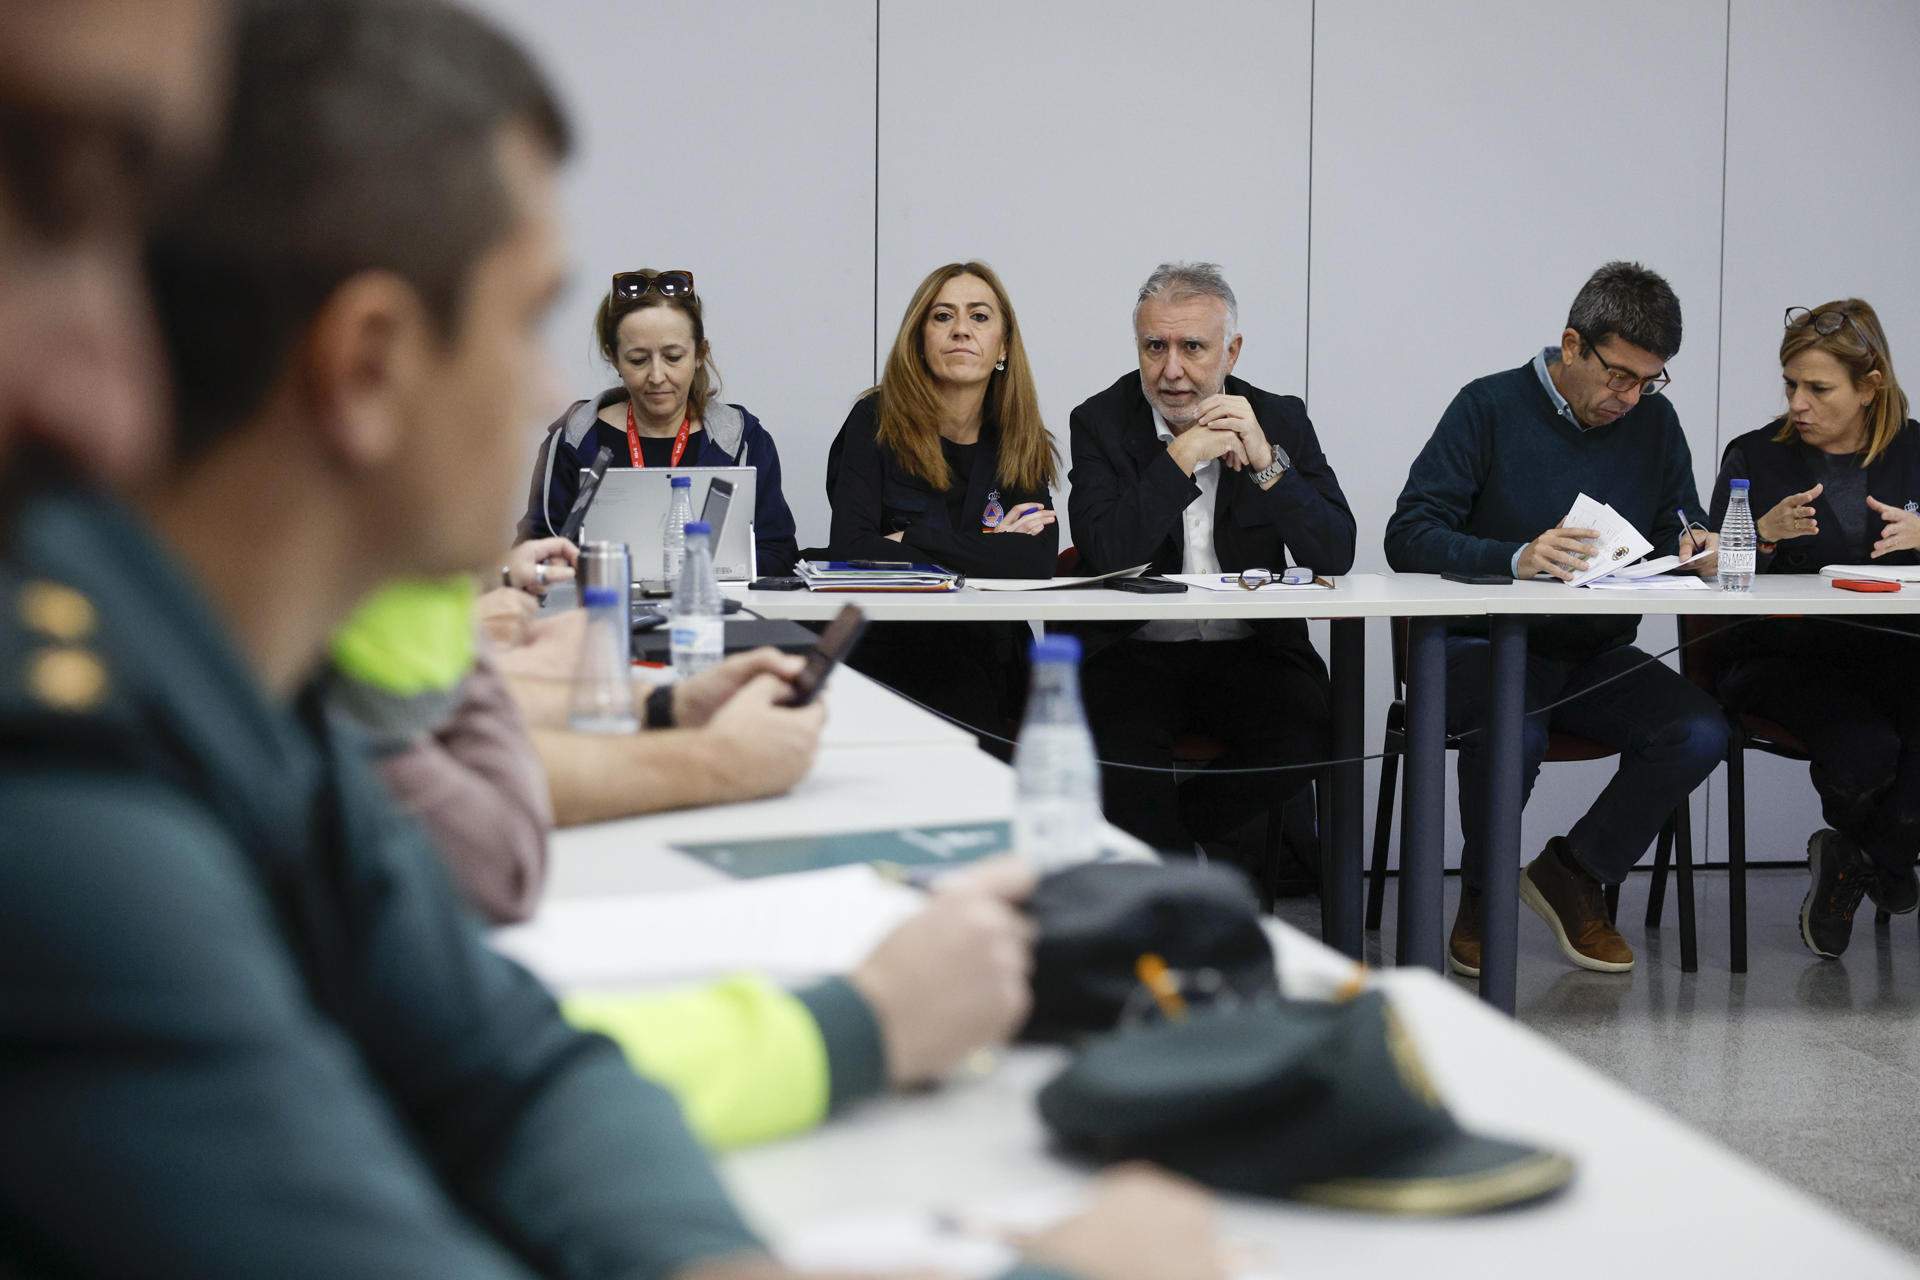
{"points": [[697, 635], [673, 530], [601, 700], [1738, 549], [1056, 807]]}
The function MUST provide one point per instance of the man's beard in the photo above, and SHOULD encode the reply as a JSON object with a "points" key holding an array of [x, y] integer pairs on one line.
{"points": [[1185, 417]]}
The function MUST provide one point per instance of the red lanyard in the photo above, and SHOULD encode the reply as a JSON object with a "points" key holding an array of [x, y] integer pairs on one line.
{"points": [[633, 440]]}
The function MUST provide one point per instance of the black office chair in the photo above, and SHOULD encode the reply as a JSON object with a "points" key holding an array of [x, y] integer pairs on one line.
{"points": [[1194, 752], [1676, 835]]}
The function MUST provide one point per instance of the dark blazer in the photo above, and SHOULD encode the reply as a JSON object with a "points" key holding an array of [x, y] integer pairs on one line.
{"points": [[1127, 495], [1778, 468], [872, 495]]}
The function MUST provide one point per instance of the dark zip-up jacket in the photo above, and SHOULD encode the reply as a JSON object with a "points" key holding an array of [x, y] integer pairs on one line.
{"points": [[730, 436], [248, 1029]]}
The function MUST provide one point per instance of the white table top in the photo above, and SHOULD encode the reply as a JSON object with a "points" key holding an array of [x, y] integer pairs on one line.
{"points": [[1772, 593], [1650, 1198], [850, 789], [1357, 595]]}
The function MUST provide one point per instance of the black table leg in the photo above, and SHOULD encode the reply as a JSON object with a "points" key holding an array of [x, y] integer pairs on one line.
{"points": [[1423, 804], [1499, 895], [1343, 891]]}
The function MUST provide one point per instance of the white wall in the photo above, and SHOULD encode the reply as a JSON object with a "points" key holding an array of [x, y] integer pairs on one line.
{"points": [[1469, 164], [1055, 142], [736, 140]]}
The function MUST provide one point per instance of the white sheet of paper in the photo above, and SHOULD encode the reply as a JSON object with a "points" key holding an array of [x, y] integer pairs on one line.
{"points": [[1619, 544], [1665, 564], [1212, 582], [1675, 582], [967, 1243], [1874, 572], [1050, 584], [785, 927]]}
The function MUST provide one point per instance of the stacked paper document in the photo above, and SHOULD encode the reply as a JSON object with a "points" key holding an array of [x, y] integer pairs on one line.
{"points": [[1619, 549], [876, 575]]}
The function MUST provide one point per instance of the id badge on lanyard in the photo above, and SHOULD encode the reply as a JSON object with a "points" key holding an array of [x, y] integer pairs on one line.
{"points": [[633, 440]]}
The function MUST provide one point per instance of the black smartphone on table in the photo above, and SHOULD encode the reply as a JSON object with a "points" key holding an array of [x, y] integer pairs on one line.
{"points": [[835, 643], [1480, 579]]}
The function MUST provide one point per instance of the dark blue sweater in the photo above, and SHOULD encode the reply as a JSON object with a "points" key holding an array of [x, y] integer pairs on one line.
{"points": [[1503, 467]]}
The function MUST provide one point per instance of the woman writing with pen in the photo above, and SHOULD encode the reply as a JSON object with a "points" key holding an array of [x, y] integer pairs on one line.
{"points": [[1837, 478], [947, 460]]}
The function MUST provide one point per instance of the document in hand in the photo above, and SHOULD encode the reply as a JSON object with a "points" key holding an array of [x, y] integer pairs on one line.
{"points": [[1618, 545]]}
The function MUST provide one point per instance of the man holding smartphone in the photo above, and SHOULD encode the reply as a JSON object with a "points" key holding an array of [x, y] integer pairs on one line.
{"points": [[1182, 465], [1485, 497]]}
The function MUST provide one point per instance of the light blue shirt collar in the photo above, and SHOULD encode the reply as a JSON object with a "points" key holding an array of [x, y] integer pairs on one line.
{"points": [[1560, 406]]}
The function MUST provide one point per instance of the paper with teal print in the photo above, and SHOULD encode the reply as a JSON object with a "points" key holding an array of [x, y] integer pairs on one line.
{"points": [[950, 843]]}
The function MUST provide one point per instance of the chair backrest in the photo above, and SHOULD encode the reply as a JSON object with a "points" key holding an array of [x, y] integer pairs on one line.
{"points": [[1067, 562], [1707, 651]]}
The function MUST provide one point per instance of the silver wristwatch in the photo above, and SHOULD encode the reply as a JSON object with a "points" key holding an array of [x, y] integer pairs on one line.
{"points": [[1280, 463]]}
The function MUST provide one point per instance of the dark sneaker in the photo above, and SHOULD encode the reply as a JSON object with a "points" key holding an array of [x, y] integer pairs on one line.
{"points": [[1894, 894], [1841, 875], [1571, 902], [1463, 947]]}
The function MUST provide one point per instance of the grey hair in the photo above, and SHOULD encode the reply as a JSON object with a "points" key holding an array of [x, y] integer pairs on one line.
{"points": [[1627, 301], [1181, 280]]}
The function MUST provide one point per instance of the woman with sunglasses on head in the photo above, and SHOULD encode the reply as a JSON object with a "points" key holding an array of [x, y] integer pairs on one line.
{"points": [[651, 328], [948, 461], [1836, 480]]}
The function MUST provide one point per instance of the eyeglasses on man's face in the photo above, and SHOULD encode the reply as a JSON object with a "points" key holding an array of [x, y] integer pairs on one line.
{"points": [[1619, 379]]}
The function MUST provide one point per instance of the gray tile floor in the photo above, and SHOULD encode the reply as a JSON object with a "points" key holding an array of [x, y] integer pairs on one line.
{"points": [[1808, 1067]]}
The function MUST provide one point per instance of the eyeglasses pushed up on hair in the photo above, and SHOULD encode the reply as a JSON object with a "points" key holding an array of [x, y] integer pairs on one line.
{"points": [[1619, 379], [1825, 322], [631, 285]]}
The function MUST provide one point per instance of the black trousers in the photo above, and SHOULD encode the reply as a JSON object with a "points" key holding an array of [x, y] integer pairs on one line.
{"points": [[1854, 704], [975, 672], [1268, 710], [1669, 734]]}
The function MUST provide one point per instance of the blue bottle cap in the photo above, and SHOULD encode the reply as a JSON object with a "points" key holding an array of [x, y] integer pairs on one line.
{"points": [[700, 527], [599, 595], [1056, 649], [1739, 484], [681, 482]]}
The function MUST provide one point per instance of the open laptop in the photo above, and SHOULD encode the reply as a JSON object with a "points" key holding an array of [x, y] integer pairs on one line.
{"points": [[631, 507]]}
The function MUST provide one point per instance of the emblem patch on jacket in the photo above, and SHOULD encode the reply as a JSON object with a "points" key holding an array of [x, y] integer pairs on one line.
{"points": [[994, 513]]}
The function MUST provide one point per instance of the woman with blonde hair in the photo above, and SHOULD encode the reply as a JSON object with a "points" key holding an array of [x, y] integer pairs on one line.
{"points": [[1835, 481], [948, 461]]}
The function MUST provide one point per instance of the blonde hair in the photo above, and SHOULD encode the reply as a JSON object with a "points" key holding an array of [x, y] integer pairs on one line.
{"points": [[1860, 345], [909, 405]]}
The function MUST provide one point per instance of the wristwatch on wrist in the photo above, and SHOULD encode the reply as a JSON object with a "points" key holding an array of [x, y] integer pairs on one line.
{"points": [[1280, 463]]}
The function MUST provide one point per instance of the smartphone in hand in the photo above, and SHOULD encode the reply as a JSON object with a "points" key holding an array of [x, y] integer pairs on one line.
{"points": [[834, 644]]}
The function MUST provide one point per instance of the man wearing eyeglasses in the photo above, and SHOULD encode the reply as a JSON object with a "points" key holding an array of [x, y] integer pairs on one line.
{"points": [[1486, 497]]}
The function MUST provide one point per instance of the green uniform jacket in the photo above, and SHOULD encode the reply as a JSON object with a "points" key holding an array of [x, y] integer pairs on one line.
{"points": [[246, 1028]]}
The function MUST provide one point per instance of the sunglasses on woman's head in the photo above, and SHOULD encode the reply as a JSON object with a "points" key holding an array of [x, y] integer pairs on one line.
{"points": [[629, 285]]}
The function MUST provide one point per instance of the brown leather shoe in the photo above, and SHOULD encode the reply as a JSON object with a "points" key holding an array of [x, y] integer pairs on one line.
{"points": [[1569, 900], [1463, 948]]}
